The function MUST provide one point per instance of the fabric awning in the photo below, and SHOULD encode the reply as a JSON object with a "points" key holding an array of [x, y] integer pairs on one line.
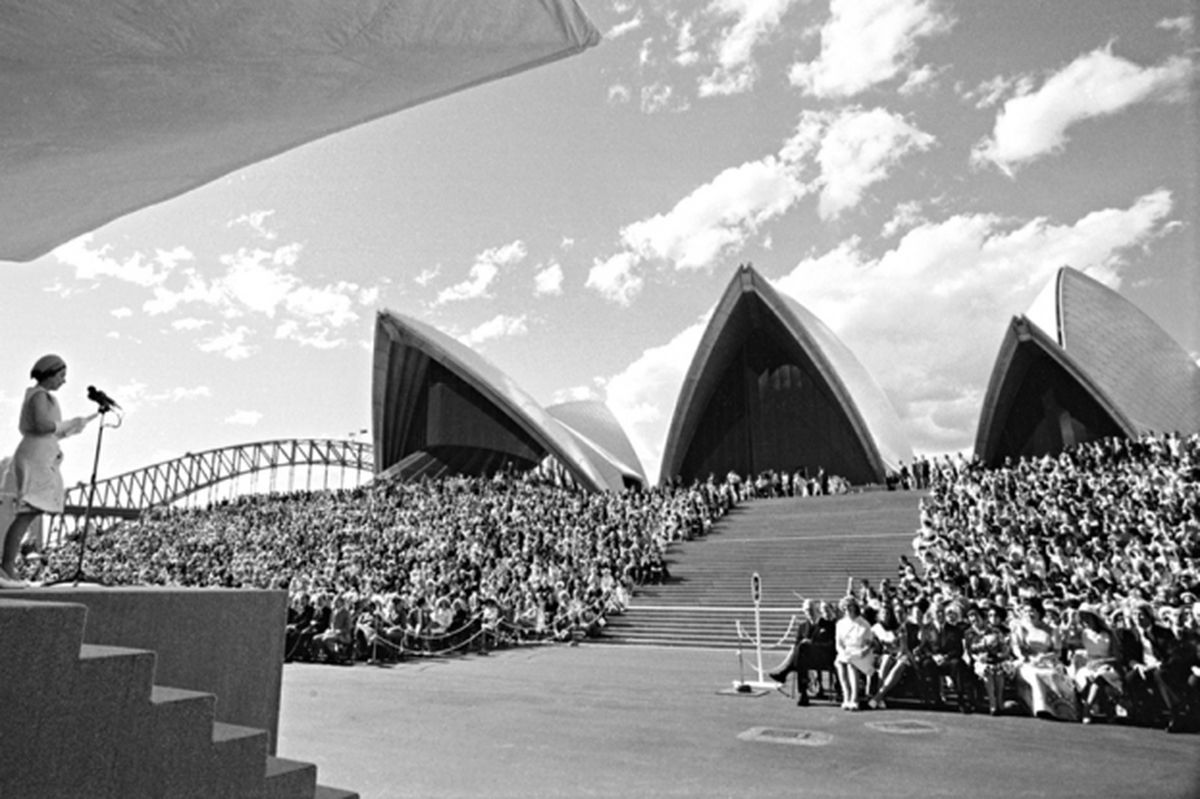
{"points": [[107, 107]]}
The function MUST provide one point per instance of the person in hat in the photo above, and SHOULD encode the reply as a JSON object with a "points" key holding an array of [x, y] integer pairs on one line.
{"points": [[34, 478]]}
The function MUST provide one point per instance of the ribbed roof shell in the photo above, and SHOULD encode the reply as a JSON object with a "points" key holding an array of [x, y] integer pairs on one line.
{"points": [[874, 422], [399, 339], [1125, 363]]}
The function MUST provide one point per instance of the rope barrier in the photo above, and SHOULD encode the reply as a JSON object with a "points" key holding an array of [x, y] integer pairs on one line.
{"points": [[427, 646]]}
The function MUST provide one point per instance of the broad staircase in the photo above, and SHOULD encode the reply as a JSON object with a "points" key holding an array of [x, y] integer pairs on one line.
{"points": [[85, 720], [809, 546]]}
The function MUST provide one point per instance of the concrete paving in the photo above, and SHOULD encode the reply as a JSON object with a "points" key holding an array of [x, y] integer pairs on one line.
{"points": [[609, 721]]}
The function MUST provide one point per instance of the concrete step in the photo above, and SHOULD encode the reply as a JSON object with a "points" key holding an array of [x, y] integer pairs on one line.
{"points": [[289, 779], [806, 546], [325, 792], [238, 755]]}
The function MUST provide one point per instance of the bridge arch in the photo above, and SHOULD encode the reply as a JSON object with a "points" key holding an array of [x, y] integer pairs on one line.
{"points": [[126, 495]]}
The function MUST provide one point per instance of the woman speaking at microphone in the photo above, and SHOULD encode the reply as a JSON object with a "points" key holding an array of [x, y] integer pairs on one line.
{"points": [[34, 478]]}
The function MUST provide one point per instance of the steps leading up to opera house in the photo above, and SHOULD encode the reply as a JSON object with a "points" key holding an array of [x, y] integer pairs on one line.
{"points": [[806, 545], [87, 720]]}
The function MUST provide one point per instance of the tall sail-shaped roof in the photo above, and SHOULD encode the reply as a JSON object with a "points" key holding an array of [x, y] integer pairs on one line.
{"points": [[772, 387], [109, 107], [1084, 363], [439, 407]]}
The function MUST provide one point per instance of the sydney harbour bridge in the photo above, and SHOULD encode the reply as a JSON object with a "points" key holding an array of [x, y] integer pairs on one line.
{"points": [[195, 476]]}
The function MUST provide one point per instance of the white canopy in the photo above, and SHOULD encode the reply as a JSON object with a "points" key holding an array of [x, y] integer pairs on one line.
{"points": [[108, 106]]}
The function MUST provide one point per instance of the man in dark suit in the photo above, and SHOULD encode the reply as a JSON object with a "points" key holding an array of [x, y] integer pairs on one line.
{"points": [[946, 653], [1149, 654]]}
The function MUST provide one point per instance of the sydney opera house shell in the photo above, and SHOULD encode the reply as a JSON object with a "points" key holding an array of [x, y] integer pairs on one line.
{"points": [[771, 387], [1084, 363], [439, 408]]}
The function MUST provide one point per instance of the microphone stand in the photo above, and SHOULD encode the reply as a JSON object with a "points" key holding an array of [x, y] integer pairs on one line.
{"points": [[79, 577]]}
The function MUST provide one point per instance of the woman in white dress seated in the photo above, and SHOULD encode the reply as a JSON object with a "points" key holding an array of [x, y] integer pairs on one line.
{"points": [[855, 661], [1041, 678]]}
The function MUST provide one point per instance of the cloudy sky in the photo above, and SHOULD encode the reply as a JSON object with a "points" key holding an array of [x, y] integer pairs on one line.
{"points": [[912, 171]]}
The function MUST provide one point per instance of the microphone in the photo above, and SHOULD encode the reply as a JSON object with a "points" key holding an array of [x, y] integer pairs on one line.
{"points": [[105, 402]]}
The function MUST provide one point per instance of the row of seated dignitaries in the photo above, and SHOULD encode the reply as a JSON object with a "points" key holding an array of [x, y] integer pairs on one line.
{"points": [[1070, 584]]}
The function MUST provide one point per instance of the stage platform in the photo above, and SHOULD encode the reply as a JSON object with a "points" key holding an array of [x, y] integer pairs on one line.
{"points": [[604, 721], [227, 642]]}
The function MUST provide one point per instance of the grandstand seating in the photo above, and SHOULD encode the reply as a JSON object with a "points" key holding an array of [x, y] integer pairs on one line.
{"points": [[808, 545]]}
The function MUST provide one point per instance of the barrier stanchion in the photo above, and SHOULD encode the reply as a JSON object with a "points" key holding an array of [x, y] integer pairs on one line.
{"points": [[762, 683]]}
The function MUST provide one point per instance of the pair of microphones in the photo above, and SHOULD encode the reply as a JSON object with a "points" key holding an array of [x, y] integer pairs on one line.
{"points": [[105, 402]]}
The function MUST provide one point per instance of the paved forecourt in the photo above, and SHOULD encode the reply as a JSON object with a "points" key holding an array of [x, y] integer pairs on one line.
{"points": [[600, 721]]}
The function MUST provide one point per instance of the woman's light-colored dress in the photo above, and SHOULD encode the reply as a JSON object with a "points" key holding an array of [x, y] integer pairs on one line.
{"points": [[34, 477], [1042, 682], [855, 644], [1097, 660]]}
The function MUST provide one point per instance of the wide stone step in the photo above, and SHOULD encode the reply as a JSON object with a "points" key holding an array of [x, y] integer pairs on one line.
{"points": [[808, 546]]}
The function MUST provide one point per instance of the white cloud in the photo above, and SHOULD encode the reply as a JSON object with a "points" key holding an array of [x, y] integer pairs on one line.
{"points": [[135, 395], [329, 306], [717, 216], [259, 282], [427, 275], [867, 42], [483, 273], [616, 278], [755, 20], [619, 94], [659, 96], [990, 92], [310, 335], [256, 221], [230, 343], [642, 396], [258, 279], [244, 418], [1180, 25], [622, 28], [195, 290], [685, 45], [97, 263], [1035, 123], [925, 317], [860, 148], [181, 393], [499, 326], [121, 313], [922, 79], [578, 393], [548, 281], [904, 216]]}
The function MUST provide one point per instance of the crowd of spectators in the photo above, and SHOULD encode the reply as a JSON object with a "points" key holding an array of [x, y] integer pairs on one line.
{"points": [[417, 567], [1066, 586]]}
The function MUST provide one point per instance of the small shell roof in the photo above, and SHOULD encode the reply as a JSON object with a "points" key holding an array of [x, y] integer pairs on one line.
{"points": [[595, 424]]}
